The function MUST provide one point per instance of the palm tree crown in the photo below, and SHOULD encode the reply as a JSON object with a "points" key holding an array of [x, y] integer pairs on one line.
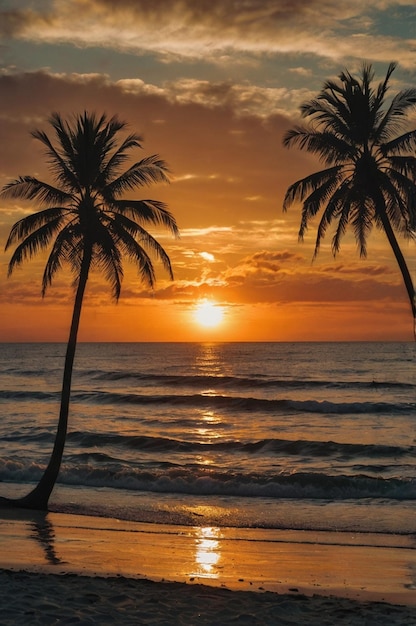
{"points": [[86, 215], [370, 171]]}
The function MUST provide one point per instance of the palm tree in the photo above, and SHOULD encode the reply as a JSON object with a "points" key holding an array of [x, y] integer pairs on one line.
{"points": [[87, 224], [370, 171]]}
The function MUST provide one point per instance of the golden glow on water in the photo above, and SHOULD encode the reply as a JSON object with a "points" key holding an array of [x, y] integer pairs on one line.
{"points": [[207, 431], [207, 551], [211, 417], [202, 460], [210, 360]]}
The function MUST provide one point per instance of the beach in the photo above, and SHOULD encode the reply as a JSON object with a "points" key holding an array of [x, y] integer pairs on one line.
{"points": [[68, 569], [212, 484]]}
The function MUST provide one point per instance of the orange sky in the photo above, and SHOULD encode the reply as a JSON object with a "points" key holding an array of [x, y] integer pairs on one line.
{"points": [[212, 91]]}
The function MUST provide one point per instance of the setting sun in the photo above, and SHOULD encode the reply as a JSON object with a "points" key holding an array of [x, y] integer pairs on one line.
{"points": [[208, 314]]}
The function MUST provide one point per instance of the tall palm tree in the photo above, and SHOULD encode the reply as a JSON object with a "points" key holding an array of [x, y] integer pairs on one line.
{"points": [[370, 171], [87, 224]]}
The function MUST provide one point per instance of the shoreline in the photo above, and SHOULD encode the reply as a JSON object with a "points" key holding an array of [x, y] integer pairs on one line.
{"points": [[304, 573]]}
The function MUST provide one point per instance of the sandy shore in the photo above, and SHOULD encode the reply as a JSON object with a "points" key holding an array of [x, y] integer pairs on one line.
{"points": [[68, 569], [39, 599]]}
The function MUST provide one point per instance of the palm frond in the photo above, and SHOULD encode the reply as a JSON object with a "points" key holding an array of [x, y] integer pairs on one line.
{"points": [[147, 211], [301, 188], [405, 165], [381, 118], [107, 258], [329, 147], [362, 221], [392, 121], [321, 197], [60, 166], [37, 240], [406, 142], [30, 188], [129, 236], [149, 170], [400, 198], [27, 225], [331, 211], [64, 135], [116, 160], [62, 252], [341, 229], [128, 229], [330, 112]]}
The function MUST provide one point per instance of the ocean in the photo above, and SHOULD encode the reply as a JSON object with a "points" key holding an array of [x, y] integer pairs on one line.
{"points": [[303, 436]]}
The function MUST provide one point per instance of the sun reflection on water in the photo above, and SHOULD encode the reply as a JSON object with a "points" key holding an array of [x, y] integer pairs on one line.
{"points": [[211, 418], [210, 361], [208, 428], [207, 554]]}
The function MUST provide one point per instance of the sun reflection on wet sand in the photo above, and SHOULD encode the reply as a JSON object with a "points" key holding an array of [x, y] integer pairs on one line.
{"points": [[377, 567], [207, 551]]}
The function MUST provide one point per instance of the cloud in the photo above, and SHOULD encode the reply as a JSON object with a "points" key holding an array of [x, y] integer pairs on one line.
{"points": [[243, 98], [279, 278], [264, 268], [213, 141], [356, 269], [222, 32]]}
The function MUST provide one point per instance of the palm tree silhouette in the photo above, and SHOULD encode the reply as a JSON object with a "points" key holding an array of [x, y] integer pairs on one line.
{"points": [[87, 224], [370, 175]]}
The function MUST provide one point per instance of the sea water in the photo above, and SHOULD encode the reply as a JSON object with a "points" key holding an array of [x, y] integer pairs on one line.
{"points": [[308, 436]]}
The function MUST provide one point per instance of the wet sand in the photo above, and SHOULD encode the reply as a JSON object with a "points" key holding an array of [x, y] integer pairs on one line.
{"points": [[59, 568]]}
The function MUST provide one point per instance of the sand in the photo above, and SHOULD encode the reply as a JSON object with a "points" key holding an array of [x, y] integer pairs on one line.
{"points": [[28, 599], [69, 569]]}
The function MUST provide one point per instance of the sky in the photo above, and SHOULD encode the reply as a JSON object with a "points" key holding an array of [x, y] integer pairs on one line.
{"points": [[212, 86]]}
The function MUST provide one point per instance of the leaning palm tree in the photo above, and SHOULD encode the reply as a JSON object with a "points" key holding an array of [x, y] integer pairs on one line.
{"points": [[86, 223], [370, 171]]}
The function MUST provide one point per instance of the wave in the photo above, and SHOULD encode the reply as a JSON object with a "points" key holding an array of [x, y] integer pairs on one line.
{"points": [[29, 395], [265, 447], [204, 380], [241, 403], [202, 481], [297, 486], [218, 401], [238, 382]]}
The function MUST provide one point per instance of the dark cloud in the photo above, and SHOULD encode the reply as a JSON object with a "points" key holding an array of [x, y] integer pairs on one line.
{"points": [[366, 270], [12, 22], [270, 258]]}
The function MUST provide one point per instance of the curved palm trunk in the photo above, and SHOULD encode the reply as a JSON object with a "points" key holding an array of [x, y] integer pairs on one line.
{"points": [[407, 279], [38, 498]]}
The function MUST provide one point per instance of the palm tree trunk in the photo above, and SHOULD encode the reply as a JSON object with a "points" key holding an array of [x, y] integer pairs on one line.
{"points": [[38, 498], [407, 279]]}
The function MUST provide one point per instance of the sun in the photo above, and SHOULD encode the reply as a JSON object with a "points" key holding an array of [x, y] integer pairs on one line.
{"points": [[208, 313]]}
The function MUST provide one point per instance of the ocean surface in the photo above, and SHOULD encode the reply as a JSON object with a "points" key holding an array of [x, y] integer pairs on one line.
{"points": [[306, 436]]}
